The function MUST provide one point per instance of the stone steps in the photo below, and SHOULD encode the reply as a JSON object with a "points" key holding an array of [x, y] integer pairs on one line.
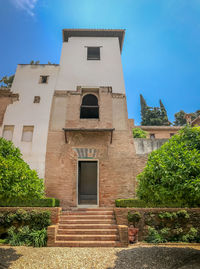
{"points": [[87, 244], [86, 217], [87, 227], [87, 231], [85, 213], [85, 237], [87, 221]]}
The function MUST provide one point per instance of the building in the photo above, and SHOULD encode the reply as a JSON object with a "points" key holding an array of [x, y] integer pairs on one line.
{"points": [[71, 123]]}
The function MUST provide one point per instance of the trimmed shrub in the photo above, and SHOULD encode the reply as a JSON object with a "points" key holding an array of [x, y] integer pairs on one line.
{"points": [[45, 202], [134, 217], [129, 203], [142, 204], [172, 173]]}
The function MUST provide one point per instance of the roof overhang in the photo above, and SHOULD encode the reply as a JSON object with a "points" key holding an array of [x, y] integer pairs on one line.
{"points": [[67, 33]]}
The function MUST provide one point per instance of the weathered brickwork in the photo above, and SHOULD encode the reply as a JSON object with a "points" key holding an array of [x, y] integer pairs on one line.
{"points": [[121, 217], [118, 163]]}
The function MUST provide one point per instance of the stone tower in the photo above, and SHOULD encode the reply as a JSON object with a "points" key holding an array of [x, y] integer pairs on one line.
{"points": [[90, 152]]}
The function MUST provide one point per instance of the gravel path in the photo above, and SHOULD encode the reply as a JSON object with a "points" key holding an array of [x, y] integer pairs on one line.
{"points": [[140, 256]]}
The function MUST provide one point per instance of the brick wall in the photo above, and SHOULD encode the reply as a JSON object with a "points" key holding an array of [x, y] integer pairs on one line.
{"points": [[121, 217], [118, 162]]}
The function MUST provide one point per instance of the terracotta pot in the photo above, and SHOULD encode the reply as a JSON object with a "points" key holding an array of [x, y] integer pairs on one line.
{"points": [[133, 234]]}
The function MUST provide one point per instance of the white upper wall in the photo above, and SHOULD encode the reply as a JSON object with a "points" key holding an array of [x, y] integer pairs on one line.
{"points": [[76, 70], [25, 112]]}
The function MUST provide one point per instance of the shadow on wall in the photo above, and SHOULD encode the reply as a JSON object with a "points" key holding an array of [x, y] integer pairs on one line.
{"points": [[158, 258], [7, 257]]}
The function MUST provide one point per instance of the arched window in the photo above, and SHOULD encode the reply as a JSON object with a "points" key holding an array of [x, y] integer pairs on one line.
{"points": [[89, 107]]}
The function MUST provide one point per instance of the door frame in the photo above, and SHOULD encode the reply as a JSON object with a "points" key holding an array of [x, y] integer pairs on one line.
{"points": [[87, 160]]}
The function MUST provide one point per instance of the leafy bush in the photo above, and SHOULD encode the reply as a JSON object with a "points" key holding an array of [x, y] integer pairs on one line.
{"points": [[33, 219], [45, 202], [25, 227], [17, 180], [139, 133], [154, 236], [27, 236], [172, 173], [134, 217]]}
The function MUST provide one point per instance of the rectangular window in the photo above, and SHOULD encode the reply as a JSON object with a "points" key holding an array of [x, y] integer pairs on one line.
{"points": [[27, 133], [8, 132], [93, 53], [152, 136], [43, 79], [36, 99]]}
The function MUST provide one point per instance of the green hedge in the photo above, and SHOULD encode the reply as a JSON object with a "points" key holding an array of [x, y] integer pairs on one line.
{"points": [[142, 204], [45, 202], [129, 203]]}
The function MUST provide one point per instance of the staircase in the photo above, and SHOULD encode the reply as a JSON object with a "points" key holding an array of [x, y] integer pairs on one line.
{"points": [[87, 227]]}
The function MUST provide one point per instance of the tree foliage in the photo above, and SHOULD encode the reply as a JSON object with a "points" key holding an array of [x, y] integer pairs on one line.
{"points": [[153, 116], [180, 117], [7, 81], [139, 133], [172, 173], [17, 180]]}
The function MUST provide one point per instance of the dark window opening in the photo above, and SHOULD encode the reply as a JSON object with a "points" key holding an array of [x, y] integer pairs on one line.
{"points": [[36, 99], [171, 134], [43, 79], [152, 136], [93, 53], [89, 107]]}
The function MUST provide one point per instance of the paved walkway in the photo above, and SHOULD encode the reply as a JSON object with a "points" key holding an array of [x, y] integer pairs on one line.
{"points": [[140, 256]]}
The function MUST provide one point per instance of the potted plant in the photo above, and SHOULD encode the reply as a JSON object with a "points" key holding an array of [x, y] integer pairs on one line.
{"points": [[133, 219]]}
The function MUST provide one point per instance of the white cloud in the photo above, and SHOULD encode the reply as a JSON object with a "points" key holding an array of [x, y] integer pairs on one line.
{"points": [[26, 5]]}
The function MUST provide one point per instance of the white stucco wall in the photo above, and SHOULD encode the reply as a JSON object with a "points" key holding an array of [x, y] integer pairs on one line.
{"points": [[76, 70], [25, 112]]}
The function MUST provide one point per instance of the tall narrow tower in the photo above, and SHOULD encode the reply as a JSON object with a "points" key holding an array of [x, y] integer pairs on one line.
{"points": [[90, 152]]}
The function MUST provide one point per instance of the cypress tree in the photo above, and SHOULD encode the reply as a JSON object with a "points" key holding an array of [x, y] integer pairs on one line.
{"points": [[144, 110], [163, 114]]}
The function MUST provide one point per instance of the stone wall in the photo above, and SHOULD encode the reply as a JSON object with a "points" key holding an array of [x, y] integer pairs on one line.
{"points": [[121, 217], [145, 146]]}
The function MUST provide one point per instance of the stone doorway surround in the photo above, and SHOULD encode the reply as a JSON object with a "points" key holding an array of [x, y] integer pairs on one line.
{"points": [[77, 184]]}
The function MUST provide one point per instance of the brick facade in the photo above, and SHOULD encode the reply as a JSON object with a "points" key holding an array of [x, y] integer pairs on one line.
{"points": [[118, 164]]}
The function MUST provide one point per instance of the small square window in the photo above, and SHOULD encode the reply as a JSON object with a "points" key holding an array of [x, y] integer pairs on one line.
{"points": [[27, 133], [93, 53], [152, 136], [44, 79], [36, 99], [8, 132]]}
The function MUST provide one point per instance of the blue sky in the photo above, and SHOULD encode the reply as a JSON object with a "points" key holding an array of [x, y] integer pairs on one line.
{"points": [[161, 53]]}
